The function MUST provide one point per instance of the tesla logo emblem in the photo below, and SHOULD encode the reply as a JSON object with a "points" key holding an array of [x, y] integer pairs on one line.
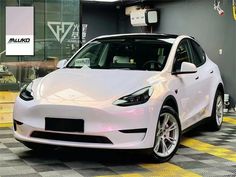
{"points": [[60, 29]]}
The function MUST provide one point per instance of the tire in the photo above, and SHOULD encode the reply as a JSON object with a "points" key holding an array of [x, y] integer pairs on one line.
{"points": [[215, 121], [168, 140]]}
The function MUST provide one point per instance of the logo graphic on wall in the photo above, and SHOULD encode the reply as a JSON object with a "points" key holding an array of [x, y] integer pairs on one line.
{"points": [[75, 32], [84, 32], [60, 29]]}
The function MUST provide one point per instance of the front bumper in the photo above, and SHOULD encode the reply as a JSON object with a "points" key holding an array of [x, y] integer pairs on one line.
{"points": [[105, 126]]}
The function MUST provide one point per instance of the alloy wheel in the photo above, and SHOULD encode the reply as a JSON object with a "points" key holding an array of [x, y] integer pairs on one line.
{"points": [[167, 135], [219, 110]]}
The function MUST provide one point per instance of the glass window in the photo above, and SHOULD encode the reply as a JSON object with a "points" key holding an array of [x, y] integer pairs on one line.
{"points": [[135, 54], [199, 56], [57, 36], [92, 54], [182, 55]]}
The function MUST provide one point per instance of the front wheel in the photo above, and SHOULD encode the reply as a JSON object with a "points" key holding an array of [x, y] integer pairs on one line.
{"points": [[168, 135]]}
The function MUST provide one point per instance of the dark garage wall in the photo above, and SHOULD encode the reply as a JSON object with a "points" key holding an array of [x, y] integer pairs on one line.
{"points": [[192, 17], [197, 18], [101, 19]]}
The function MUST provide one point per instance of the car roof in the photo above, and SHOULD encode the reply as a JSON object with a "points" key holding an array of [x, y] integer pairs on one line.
{"points": [[139, 36]]}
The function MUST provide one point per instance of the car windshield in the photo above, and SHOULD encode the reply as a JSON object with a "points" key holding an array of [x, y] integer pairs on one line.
{"points": [[130, 54]]}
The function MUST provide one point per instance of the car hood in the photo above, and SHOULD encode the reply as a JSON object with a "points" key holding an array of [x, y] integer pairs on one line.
{"points": [[92, 84]]}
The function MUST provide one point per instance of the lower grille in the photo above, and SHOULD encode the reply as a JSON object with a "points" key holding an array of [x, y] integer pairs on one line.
{"points": [[71, 137]]}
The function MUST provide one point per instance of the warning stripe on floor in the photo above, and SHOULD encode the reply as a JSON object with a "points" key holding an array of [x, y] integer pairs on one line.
{"points": [[6, 111], [168, 170], [159, 170], [5, 117], [230, 120], [4, 125], [124, 175], [210, 149], [8, 97], [6, 107]]}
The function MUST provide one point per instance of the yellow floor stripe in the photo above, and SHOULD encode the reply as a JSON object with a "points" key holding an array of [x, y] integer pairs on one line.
{"points": [[230, 120], [210, 149], [6, 125], [168, 170], [6, 107], [5, 117], [159, 170], [8, 97], [124, 175], [132, 175]]}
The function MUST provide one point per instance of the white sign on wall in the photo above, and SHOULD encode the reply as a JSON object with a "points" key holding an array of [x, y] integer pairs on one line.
{"points": [[19, 30]]}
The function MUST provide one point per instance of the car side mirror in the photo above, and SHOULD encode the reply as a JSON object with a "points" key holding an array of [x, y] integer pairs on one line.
{"points": [[187, 68], [61, 63]]}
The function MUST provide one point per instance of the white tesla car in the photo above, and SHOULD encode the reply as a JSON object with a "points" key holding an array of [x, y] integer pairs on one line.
{"points": [[132, 91]]}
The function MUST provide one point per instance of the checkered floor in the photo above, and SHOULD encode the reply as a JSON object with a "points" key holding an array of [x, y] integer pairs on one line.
{"points": [[18, 161]]}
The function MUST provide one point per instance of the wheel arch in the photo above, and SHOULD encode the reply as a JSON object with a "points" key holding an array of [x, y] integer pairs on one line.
{"points": [[220, 87], [171, 101]]}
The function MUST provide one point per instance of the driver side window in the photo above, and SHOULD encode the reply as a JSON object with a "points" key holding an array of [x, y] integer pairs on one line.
{"points": [[182, 55]]}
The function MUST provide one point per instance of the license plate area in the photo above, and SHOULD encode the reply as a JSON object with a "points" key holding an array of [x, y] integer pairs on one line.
{"points": [[64, 125]]}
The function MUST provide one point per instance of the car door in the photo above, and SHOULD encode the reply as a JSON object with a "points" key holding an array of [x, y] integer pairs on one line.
{"points": [[185, 85], [204, 80]]}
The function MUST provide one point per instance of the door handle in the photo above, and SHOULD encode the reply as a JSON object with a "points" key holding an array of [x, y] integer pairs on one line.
{"points": [[211, 72], [197, 78]]}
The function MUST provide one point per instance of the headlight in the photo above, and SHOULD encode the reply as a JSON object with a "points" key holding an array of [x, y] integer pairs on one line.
{"points": [[138, 97], [26, 92]]}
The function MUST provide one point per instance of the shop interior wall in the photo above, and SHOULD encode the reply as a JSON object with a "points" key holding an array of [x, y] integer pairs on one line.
{"points": [[198, 18]]}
